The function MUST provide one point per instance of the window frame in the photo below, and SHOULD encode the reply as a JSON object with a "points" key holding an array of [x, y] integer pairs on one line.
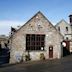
{"points": [[35, 44], [66, 28], [58, 28]]}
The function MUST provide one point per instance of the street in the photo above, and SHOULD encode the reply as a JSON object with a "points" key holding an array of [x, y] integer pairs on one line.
{"points": [[61, 65]]}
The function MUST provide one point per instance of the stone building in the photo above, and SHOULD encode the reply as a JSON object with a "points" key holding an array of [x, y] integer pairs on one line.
{"points": [[4, 50], [35, 38], [70, 19], [66, 30], [3, 41]]}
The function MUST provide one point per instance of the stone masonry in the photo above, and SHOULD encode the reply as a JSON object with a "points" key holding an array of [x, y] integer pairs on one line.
{"points": [[38, 24]]}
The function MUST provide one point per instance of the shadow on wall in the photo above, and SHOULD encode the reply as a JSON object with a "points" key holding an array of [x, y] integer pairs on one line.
{"points": [[66, 47], [4, 55], [66, 51]]}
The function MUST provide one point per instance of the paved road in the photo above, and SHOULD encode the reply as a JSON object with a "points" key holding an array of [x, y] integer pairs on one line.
{"points": [[62, 65]]}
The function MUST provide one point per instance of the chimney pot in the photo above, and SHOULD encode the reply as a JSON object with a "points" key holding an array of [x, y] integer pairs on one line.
{"points": [[70, 19]]}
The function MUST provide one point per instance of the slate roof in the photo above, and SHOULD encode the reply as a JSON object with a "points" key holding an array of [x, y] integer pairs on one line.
{"points": [[61, 22]]}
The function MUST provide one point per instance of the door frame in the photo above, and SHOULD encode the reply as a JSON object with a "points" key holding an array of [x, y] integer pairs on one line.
{"points": [[51, 51]]}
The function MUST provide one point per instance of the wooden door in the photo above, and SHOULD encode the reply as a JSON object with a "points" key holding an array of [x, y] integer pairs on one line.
{"points": [[68, 45], [66, 49], [50, 51]]}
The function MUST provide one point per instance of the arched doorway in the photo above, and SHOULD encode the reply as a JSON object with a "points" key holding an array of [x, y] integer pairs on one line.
{"points": [[66, 47], [50, 51]]}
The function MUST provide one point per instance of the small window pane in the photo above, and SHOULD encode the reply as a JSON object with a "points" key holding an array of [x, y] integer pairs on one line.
{"points": [[42, 44], [58, 28], [66, 28], [33, 37]]}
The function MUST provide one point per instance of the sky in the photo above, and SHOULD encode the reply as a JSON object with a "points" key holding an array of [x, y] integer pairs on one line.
{"points": [[16, 12]]}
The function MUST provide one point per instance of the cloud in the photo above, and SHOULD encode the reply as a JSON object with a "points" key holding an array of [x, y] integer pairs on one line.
{"points": [[5, 26]]}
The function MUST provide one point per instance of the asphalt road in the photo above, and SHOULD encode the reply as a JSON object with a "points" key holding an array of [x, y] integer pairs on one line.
{"points": [[62, 65]]}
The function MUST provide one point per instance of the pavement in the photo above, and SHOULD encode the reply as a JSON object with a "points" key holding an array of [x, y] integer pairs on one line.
{"points": [[57, 65]]}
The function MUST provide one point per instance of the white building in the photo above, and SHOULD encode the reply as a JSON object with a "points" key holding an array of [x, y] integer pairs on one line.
{"points": [[64, 28]]}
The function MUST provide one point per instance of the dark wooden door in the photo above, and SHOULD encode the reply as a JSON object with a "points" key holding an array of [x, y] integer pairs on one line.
{"points": [[66, 49], [68, 45], [51, 52]]}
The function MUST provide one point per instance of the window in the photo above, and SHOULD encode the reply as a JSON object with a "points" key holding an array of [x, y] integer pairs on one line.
{"points": [[35, 41], [8, 41], [5, 45], [66, 28], [66, 38], [58, 28]]}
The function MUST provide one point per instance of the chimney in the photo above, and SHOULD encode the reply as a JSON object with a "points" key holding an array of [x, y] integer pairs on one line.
{"points": [[70, 19]]}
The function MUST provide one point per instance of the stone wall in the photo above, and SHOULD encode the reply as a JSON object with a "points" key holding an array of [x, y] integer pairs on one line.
{"points": [[71, 46], [63, 24], [3, 40], [36, 25]]}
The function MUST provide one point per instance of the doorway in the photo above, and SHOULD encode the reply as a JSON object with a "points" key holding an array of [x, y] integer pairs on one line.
{"points": [[66, 48], [50, 51]]}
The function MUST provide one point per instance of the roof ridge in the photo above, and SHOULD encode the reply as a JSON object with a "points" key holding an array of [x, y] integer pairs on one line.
{"points": [[61, 21], [33, 17]]}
